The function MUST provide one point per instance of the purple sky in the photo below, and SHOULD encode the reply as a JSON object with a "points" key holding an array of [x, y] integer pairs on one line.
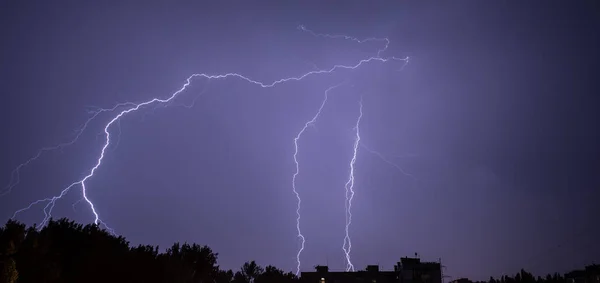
{"points": [[496, 115]]}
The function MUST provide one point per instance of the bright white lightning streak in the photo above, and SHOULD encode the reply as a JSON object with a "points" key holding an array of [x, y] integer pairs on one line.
{"points": [[16, 173], [133, 107], [347, 247], [306, 125]]}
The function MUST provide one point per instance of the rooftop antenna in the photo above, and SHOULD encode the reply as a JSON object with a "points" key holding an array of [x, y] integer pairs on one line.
{"points": [[442, 270], [444, 276]]}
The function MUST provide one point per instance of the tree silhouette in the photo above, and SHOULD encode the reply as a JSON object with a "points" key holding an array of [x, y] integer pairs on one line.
{"points": [[275, 275], [64, 251], [250, 271]]}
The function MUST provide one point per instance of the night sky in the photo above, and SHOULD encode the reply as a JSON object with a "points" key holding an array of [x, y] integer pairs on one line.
{"points": [[496, 116]]}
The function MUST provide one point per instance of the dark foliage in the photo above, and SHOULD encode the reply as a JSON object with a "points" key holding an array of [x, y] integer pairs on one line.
{"points": [[64, 251], [526, 277]]}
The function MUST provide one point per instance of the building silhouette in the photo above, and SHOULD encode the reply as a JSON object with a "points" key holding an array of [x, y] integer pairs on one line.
{"points": [[408, 270], [591, 274]]}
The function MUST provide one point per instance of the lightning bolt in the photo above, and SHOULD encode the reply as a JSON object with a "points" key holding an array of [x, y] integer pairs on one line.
{"points": [[347, 247], [351, 38], [349, 186], [387, 160], [15, 176], [127, 108], [299, 200]]}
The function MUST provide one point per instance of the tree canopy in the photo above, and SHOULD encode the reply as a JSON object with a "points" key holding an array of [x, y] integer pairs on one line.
{"points": [[64, 251]]}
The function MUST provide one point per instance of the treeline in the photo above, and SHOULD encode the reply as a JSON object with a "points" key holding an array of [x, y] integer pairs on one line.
{"points": [[64, 251], [526, 277]]}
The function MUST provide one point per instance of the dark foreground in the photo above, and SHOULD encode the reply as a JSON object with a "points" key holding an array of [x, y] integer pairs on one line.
{"points": [[64, 251]]}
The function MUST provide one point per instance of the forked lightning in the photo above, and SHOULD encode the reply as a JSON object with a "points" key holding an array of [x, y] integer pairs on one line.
{"points": [[124, 109]]}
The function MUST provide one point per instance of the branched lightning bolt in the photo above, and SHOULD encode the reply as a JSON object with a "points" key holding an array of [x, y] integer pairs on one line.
{"points": [[15, 176], [349, 186], [347, 247], [306, 125], [130, 107]]}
